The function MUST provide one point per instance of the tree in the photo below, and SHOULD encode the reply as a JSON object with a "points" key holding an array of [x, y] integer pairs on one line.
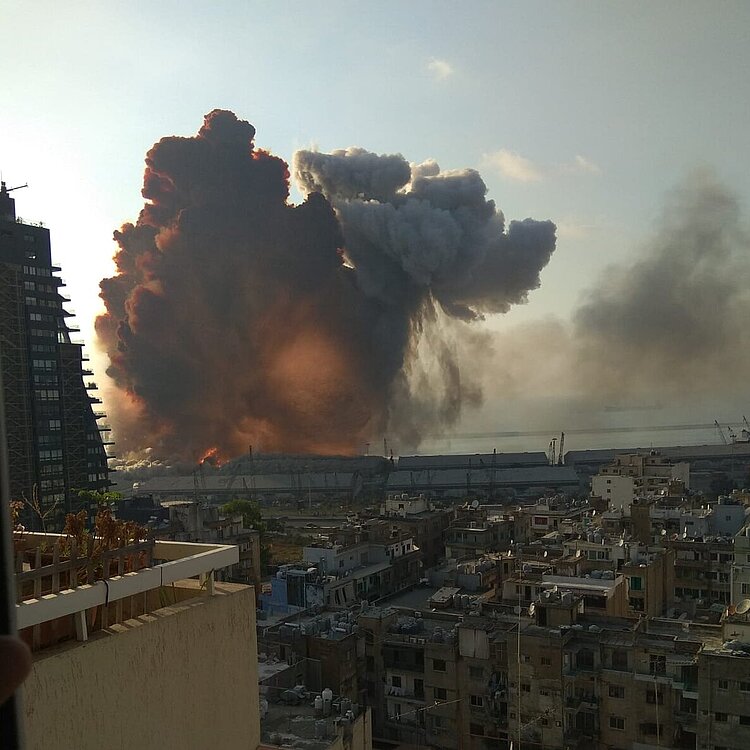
{"points": [[251, 519], [251, 515]]}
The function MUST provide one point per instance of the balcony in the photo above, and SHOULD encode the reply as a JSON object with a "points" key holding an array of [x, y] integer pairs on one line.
{"points": [[582, 702], [171, 635], [686, 719], [578, 737], [50, 593], [403, 694]]}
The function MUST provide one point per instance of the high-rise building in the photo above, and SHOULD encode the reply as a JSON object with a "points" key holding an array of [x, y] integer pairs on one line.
{"points": [[55, 445]]}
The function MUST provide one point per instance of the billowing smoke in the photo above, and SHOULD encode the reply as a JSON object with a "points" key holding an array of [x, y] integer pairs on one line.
{"points": [[675, 321], [237, 318], [666, 332]]}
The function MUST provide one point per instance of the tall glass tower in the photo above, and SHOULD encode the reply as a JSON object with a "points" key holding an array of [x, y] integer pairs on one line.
{"points": [[55, 444]]}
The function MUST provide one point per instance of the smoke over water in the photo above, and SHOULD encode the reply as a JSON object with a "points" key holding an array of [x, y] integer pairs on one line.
{"points": [[661, 340], [237, 318]]}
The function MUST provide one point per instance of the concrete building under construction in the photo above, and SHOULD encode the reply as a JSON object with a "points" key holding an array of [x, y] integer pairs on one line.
{"points": [[55, 445]]}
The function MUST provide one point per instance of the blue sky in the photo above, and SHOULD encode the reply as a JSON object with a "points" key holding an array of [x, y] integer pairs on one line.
{"points": [[583, 112]]}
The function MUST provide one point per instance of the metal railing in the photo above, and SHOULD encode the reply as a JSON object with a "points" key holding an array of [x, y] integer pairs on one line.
{"points": [[130, 571]]}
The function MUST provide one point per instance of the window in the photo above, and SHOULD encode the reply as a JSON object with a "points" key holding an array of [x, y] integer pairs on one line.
{"points": [[438, 665], [616, 722], [616, 691], [636, 583], [476, 673], [585, 659], [745, 687], [396, 681], [744, 720], [441, 694], [546, 661], [525, 687], [477, 700], [620, 660], [657, 664], [654, 697], [719, 716], [476, 729], [723, 684]]}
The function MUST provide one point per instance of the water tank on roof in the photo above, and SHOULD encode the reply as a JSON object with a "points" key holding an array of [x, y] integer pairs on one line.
{"points": [[327, 696]]}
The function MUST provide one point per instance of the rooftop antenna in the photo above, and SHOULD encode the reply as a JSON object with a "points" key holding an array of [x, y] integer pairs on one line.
{"points": [[7, 204], [5, 189]]}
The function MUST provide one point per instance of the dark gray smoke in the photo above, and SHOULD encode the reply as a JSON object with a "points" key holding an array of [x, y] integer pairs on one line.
{"points": [[668, 330], [409, 231], [677, 319], [236, 318]]}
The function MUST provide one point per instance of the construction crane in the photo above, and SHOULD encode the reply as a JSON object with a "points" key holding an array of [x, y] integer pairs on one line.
{"points": [[199, 482], [560, 452], [5, 189], [721, 432]]}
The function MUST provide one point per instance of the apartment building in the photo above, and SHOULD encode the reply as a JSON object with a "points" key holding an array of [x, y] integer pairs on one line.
{"points": [[143, 659], [740, 569], [473, 534], [723, 719], [192, 521], [632, 475], [550, 515], [55, 444], [421, 519], [409, 669], [702, 569]]}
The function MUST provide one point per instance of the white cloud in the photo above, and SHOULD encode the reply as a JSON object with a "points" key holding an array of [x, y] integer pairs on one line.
{"points": [[440, 69], [573, 230], [582, 164], [513, 166], [516, 167]]}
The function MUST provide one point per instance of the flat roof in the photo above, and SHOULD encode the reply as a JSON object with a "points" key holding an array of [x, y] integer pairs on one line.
{"points": [[472, 460], [460, 478]]}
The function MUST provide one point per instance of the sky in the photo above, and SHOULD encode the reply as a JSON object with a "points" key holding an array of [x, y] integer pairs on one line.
{"points": [[586, 113]]}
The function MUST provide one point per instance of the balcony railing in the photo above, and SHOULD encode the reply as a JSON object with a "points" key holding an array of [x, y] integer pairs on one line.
{"points": [[582, 702], [50, 592], [397, 692]]}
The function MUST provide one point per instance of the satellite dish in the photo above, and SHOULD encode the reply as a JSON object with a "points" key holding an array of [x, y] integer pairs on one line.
{"points": [[475, 504], [743, 606], [517, 610], [532, 609]]}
